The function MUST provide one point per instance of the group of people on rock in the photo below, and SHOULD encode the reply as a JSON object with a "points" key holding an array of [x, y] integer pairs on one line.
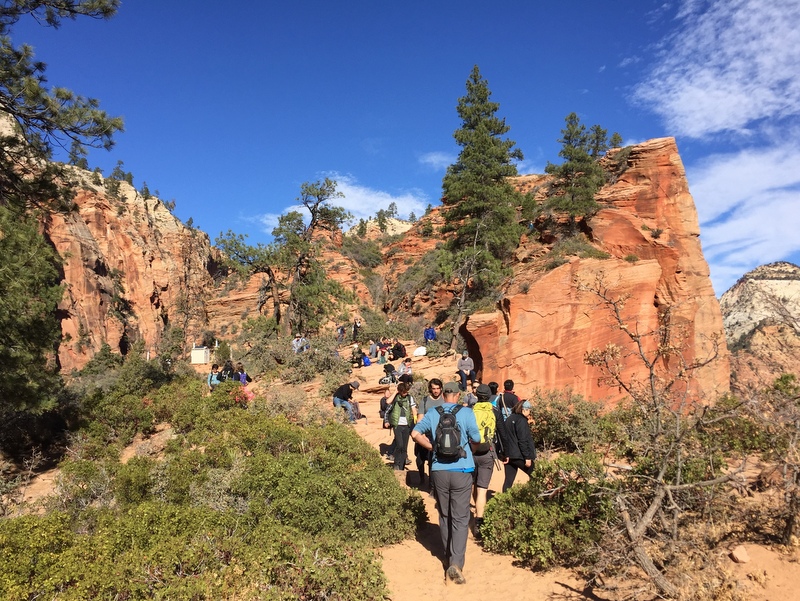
{"points": [[384, 350]]}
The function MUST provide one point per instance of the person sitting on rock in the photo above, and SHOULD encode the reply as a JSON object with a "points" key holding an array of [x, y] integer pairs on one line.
{"points": [[404, 373], [466, 369], [343, 396]]}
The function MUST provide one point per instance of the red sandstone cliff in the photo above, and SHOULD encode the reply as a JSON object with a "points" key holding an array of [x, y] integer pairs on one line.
{"points": [[132, 269], [540, 337]]}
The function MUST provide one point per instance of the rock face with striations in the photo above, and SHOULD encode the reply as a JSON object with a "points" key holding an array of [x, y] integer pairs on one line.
{"points": [[648, 225], [130, 269], [762, 320]]}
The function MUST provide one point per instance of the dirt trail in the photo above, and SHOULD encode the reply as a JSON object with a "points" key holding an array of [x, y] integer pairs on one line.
{"points": [[414, 567]]}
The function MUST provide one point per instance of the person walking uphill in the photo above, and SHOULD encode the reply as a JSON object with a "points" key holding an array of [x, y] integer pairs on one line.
{"points": [[447, 432], [343, 396], [401, 417], [520, 450]]}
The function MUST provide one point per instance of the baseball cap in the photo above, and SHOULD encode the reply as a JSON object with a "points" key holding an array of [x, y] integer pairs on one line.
{"points": [[526, 405], [451, 387], [483, 391], [354, 384]]}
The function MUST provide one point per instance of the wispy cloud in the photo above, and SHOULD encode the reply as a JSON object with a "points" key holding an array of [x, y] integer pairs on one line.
{"points": [[747, 203], [730, 76], [727, 68], [439, 161], [361, 201]]}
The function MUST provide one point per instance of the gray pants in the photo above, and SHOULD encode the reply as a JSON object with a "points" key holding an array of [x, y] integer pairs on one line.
{"points": [[452, 491]]}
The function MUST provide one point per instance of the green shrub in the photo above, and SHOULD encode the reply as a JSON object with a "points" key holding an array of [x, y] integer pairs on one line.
{"points": [[565, 421], [156, 551], [631, 258], [556, 519], [366, 253], [579, 246], [134, 481]]}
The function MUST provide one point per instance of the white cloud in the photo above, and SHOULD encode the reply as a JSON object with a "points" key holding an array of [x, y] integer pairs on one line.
{"points": [[727, 68], [362, 202], [439, 161], [748, 208]]}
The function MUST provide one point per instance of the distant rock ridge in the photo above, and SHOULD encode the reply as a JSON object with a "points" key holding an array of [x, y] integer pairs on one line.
{"points": [[762, 322]]}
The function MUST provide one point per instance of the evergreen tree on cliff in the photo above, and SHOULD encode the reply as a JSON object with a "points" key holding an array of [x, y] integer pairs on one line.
{"points": [[580, 176], [477, 196], [480, 203], [35, 118]]}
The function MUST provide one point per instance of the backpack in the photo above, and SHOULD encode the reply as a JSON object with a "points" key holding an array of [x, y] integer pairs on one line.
{"points": [[503, 404], [385, 405], [225, 374], [484, 415], [447, 445]]}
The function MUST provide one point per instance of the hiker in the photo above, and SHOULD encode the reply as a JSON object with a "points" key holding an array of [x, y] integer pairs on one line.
{"points": [[508, 400], [226, 373], [494, 386], [240, 375], [466, 369], [339, 334], [213, 378], [383, 349], [299, 344], [356, 328], [520, 450], [401, 417], [493, 441], [429, 334], [384, 406], [446, 431], [373, 350], [469, 399], [428, 403], [404, 373], [357, 356], [342, 397], [398, 351]]}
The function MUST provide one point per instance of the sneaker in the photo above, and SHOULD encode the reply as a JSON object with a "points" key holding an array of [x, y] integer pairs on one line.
{"points": [[390, 458], [454, 574], [408, 462]]}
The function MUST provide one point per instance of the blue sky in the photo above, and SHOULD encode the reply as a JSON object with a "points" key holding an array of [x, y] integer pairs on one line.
{"points": [[230, 107]]}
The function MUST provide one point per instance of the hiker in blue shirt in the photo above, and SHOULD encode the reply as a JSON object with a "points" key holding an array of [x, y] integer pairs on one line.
{"points": [[451, 480], [429, 334]]}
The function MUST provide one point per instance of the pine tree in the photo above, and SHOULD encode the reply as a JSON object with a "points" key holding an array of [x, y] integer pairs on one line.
{"points": [[480, 203], [312, 295], [477, 196], [41, 117], [578, 178]]}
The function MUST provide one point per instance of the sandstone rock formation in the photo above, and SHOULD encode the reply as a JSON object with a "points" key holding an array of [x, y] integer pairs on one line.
{"points": [[762, 320], [132, 269], [649, 227]]}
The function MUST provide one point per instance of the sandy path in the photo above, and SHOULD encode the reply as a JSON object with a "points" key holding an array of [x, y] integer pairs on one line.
{"points": [[414, 567]]}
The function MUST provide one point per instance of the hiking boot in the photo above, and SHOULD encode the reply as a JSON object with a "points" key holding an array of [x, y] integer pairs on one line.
{"points": [[390, 458], [454, 574], [408, 461]]}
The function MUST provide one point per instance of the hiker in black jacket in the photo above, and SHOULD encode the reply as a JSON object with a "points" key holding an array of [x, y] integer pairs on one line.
{"points": [[520, 450]]}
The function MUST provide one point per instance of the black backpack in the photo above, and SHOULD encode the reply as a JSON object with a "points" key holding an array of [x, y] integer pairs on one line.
{"points": [[447, 439]]}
